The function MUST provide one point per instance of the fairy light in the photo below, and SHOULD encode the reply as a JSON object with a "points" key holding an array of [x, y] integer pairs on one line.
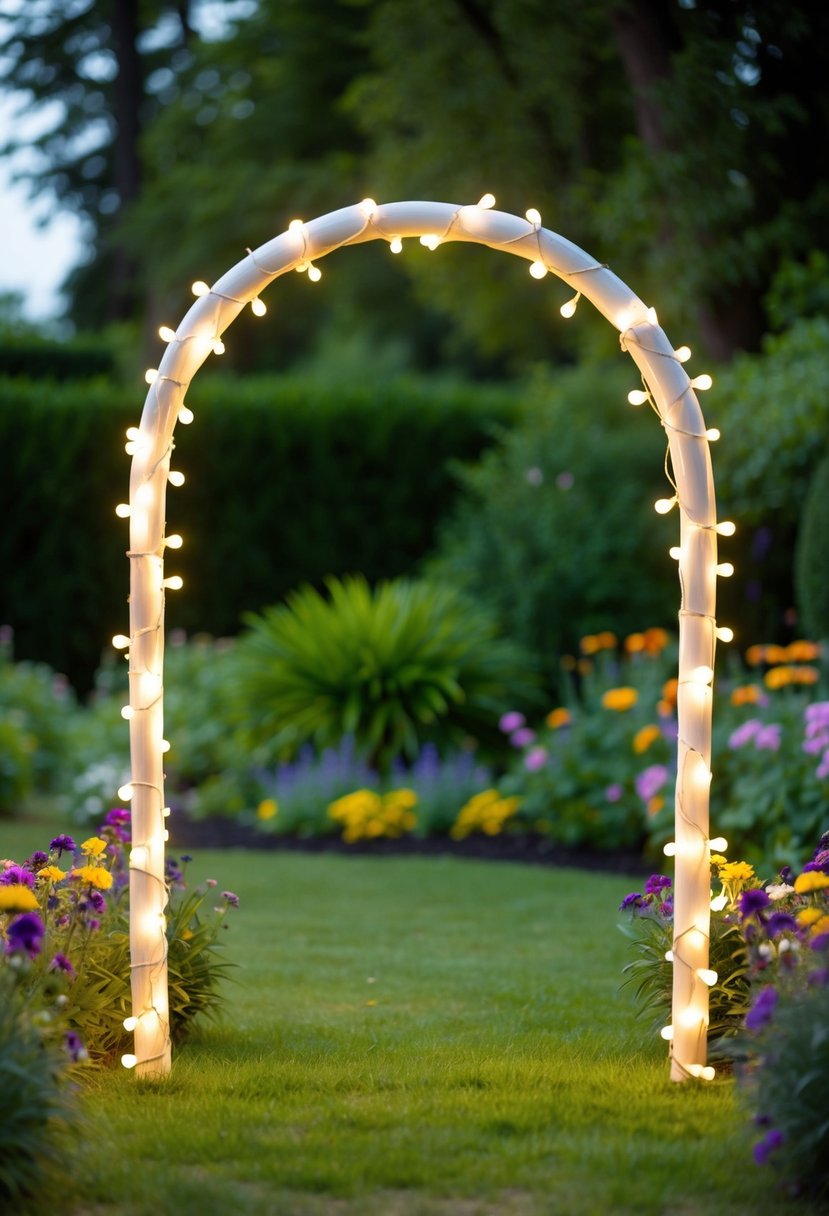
{"points": [[718, 843], [123, 510], [712, 434], [129, 1060], [708, 976], [689, 473], [120, 641], [173, 541], [675, 552], [725, 569], [667, 1033], [127, 712], [724, 633]]}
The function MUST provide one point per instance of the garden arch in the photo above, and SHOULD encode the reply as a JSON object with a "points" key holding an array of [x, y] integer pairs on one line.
{"points": [[671, 393]]}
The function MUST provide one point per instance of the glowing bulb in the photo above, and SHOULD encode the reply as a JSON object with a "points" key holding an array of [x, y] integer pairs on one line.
{"points": [[701, 675], [174, 583], [200, 288], [718, 903], [129, 1061], [667, 1033], [165, 811], [120, 641], [712, 434], [690, 1017], [726, 528], [396, 244], [669, 956], [185, 415], [718, 843], [707, 1073], [165, 745], [652, 317], [725, 569], [369, 207], [296, 226], [675, 552], [430, 240], [132, 432], [314, 274], [127, 712], [538, 270], [637, 396], [707, 976], [131, 448], [702, 382], [724, 633], [669, 849], [175, 478], [125, 793], [486, 201], [174, 541], [663, 505], [166, 334], [682, 354], [258, 307], [130, 1023], [218, 347], [123, 510], [568, 308], [533, 215]]}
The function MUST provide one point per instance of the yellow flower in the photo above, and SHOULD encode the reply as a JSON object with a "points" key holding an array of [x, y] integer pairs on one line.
{"points": [[812, 880], [645, 737], [717, 859], [557, 718], [736, 871], [821, 926], [93, 876], [484, 812], [655, 640], [802, 651], [634, 642], [589, 644], [606, 640], [52, 873], [755, 655], [267, 808], [93, 847], [17, 898], [620, 699], [809, 916]]}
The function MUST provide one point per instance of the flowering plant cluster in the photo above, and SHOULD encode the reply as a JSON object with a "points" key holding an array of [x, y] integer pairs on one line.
{"points": [[64, 936], [367, 815], [486, 812], [770, 1003]]}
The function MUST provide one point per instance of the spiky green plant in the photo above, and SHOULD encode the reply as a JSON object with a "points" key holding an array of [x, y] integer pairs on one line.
{"points": [[394, 666]]}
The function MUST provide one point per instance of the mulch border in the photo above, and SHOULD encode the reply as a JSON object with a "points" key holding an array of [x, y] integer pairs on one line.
{"points": [[528, 848]]}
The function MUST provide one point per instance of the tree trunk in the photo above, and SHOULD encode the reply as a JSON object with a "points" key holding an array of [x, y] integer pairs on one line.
{"points": [[129, 94]]}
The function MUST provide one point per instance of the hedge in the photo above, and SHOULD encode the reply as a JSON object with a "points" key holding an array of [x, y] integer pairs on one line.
{"points": [[286, 481]]}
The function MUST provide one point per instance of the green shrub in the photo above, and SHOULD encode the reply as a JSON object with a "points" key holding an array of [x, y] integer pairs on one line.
{"points": [[812, 556], [37, 1109], [315, 478], [556, 528], [394, 667]]}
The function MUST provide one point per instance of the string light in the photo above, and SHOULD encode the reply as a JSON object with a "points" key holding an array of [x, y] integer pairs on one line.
{"points": [[718, 843], [185, 415], [166, 334], [120, 641], [682, 354], [127, 712], [725, 569], [129, 1060], [533, 215], [125, 792], [258, 307], [712, 434], [174, 583], [123, 510], [667, 1033], [702, 382], [675, 552], [637, 396], [486, 201], [368, 207], [314, 273], [430, 241], [218, 346], [200, 288], [175, 478], [724, 633], [396, 244], [663, 505], [174, 541], [707, 976], [538, 270], [569, 307], [726, 528]]}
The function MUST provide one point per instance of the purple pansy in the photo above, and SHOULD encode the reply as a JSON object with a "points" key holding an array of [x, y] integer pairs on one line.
{"points": [[17, 876], [61, 963], [762, 1010], [25, 934], [634, 900], [753, 901], [63, 844], [657, 883], [780, 922]]}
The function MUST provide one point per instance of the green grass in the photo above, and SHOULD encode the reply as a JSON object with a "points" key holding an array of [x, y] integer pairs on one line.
{"points": [[415, 1037]]}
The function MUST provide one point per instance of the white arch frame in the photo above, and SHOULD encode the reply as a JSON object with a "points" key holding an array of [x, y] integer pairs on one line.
{"points": [[672, 394]]}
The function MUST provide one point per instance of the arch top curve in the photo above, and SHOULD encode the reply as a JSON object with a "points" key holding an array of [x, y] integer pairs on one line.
{"points": [[670, 392]]}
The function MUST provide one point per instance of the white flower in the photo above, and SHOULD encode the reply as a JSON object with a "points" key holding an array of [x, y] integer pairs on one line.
{"points": [[779, 890]]}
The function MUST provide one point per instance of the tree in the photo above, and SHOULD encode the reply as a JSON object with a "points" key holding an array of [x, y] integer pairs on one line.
{"points": [[95, 71]]}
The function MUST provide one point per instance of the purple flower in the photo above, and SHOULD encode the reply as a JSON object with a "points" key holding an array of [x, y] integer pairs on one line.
{"points": [[511, 721], [25, 934], [17, 876], [61, 963], [230, 899], [818, 711], [634, 900], [667, 908], [74, 1046], [96, 901], [753, 901], [744, 734], [650, 781], [657, 883], [117, 816], [613, 792], [780, 922], [185, 859], [768, 737], [821, 942], [762, 1010], [765, 1147], [63, 844], [818, 978], [36, 861], [535, 759], [522, 737]]}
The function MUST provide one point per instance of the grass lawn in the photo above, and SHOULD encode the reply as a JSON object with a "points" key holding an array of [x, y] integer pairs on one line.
{"points": [[414, 1037]]}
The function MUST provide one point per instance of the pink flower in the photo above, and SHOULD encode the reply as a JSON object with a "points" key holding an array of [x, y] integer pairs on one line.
{"points": [[511, 721], [535, 759]]}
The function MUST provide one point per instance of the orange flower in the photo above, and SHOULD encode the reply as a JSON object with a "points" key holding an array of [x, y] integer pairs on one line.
{"points": [[606, 640], [746, 694], [670, 689], [755, 655], [620, 698], [806, 675], [778, 677], [664, 709], [557, 718], [655, 640], [589, 644], [645, 737], [802, 651], [584, 667], [634, 642], [655, 805], [776, 654]]}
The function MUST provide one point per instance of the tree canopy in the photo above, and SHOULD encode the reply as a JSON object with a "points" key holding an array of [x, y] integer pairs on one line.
{"points": [[678, 140]]}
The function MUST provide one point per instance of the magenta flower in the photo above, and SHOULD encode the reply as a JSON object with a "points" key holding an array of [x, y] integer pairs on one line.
{"points": [[522, 737], [650, 781], [765, 1147], [61, 963], [613, 792], [17, 876], [535, 759], [511, 721], [768, 737], [744, 734]]}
